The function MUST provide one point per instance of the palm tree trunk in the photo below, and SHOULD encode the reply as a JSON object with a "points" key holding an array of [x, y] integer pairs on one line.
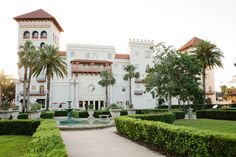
{"points": [[204, 82], [48, 92], [106, 97], [130, 92], [169, 102], [28, 89], [24, 90]]}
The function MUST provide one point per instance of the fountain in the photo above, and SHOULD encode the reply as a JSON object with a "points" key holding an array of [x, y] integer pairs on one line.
{"points": [[69, 115]]}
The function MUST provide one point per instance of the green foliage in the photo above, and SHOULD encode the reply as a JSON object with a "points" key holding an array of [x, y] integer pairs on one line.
{"points": [[162, 117], [60, 113], [114, 106], [5, 105], [186, 107], [7, 87], [217, 114], [36, 106], [23, 116], [47, 115], [174, 75], [131, 106], [90, 106], [47, 141], [18, 127], [177, 140]]}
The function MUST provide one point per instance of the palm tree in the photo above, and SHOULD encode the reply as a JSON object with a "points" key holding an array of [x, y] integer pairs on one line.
{"points": [[50, 63], [24, 61], [210, 56], [107, 79], [130, 69]]}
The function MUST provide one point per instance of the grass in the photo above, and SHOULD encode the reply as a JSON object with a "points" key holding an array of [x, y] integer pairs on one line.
{"points": [[13, 146], [209, 124]]}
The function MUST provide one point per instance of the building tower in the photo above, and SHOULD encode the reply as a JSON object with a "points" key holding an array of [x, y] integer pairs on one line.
{"points": [[41, 28]]}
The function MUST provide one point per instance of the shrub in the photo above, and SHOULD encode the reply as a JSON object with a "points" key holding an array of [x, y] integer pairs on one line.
{"points": [[36, 106], [217, 114], [5, 105], [47, 141], [60, 113], [47, 115], [23, 116], [179, 114], [195, 107], [90, 106], [114, 106], [18, 127], [178, 140], [163, 117]]}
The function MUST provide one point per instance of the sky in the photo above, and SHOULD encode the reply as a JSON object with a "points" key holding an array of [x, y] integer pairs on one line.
{"points": [[114, 22]]}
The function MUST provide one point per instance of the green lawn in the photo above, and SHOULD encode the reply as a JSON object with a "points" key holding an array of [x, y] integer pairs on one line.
{"points": [[209, 124], [13, 146]]}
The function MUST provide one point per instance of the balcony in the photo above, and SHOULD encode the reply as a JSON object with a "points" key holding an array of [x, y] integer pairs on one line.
{"points": [[34, 93], [139, 80], [41, 79], [138, 92]]}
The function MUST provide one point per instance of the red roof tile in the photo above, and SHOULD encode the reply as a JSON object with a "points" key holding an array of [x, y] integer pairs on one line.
{"points": [[39, 14], [121, 56], [193, 41], [62, 53]]}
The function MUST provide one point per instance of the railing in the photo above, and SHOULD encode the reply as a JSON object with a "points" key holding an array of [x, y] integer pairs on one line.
{"points": [[138, 92], [88, 69], [139, 80], [34, 93], [41, 79]]}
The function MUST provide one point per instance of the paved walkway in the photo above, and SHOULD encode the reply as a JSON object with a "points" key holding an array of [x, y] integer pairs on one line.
{"points": [[103, 143]]}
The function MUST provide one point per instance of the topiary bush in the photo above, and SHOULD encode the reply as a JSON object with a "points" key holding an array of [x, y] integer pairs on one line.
{"points": [[217, 114], [18, 127], [47, 115], [23, 116], [163, 117], [178, 140]]}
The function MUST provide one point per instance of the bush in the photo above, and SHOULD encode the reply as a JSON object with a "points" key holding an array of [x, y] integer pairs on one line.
{"points": [[47, 115], [23, 116], [5, 106], [179, 114], [195, 107], [47, 141], [217, 114], [60, 113], [114, 106], [178, 140], [163, 117], [36, 106], [18, 127], [90, 106]]}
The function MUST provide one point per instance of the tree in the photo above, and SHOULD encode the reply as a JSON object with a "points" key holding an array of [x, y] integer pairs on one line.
{"points": [[107, 79], [173, 75], [210, 56], [7, 88], [130, 73], [24, 61], [50, 63]]}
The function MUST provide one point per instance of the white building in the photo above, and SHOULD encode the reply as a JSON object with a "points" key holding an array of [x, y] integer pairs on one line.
{"points": [[85, 62]]}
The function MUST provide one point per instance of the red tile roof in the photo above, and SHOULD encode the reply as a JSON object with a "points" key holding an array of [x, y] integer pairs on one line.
{"points": [[121, 56], [62, 53], [39, 14], [193, 41]]}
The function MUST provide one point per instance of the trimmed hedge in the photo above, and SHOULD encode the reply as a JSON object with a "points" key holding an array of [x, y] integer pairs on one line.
{"points": [[60, 113], [163, 117], [217, 114], [195, 107], [23, 116], [47, 141], [18, 127], [179, 114], [84, 114], [178, 140], [47, 115]]}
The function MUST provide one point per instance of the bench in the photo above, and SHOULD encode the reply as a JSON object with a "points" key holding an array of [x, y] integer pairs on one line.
{"points": [[104, 116]]}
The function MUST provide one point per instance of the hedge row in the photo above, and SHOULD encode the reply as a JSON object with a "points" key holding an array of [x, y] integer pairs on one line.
{"points": [[47, 115], [18, 127], [60, 113], [217, 114], [186, 107], [178, 140], [47, 141], [163, 117]]}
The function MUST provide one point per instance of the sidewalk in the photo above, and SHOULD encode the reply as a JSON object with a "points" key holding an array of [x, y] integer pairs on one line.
{"points": [[103, 143]]}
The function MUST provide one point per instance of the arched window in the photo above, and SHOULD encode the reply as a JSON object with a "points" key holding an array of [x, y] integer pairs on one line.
{"points": [[41, 89], [26, 35], [43, 34], [35, 35], [42, 45]]}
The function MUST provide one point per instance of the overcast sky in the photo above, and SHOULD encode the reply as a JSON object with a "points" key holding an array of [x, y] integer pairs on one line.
{"points": [[110, 22]]}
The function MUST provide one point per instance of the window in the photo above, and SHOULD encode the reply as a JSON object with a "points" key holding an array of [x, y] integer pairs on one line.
{"points": [[127, 103], [35, 35], [136, 53], [81, 104], [44, 34], [147, 54], [109, 56], [26, 35], [147, 68], [41, 89], [72, 54], [42, 45], [123, 89]]}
